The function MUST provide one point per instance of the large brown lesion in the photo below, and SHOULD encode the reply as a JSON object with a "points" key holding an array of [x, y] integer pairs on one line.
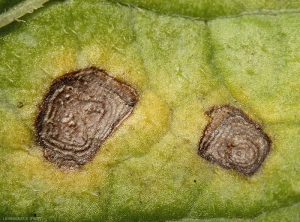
{"points": [[234, 141], [79, 113]]}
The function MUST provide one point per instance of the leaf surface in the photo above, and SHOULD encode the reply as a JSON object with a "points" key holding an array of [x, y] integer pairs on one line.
{"points": [[149, 169]]}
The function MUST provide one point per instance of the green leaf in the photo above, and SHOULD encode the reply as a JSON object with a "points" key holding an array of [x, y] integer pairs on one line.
{"points": [[11, 11], [208, 10], [243, 54]]}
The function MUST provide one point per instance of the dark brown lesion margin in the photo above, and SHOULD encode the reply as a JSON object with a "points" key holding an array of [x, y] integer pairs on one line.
{"points": [[64, 80], [247, 118]]}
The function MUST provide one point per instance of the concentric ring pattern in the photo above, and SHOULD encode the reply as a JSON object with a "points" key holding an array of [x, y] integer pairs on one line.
{"points": [[234, 141], [79, 112]]}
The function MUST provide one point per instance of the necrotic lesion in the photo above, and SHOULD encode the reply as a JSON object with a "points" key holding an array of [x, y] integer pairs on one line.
{"points": [[79, 113], [234, 141]]}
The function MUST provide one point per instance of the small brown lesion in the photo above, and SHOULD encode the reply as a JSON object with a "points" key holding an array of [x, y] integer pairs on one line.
{"points": [[234, 141], [79, 112], [20, 105]]}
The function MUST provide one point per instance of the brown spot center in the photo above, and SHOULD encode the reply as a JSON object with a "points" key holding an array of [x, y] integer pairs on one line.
{"points": [[78, 114], [234, 141]]}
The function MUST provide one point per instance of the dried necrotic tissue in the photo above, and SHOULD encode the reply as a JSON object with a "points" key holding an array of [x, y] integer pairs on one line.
{"points": [[234, 141], [79, 112]]}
